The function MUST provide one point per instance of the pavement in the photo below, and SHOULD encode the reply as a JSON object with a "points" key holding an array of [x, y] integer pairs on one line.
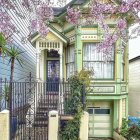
{"points": [[100, 139]]}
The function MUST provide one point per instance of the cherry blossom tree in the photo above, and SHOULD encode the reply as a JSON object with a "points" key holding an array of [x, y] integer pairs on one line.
{"points": [[124, 11]]}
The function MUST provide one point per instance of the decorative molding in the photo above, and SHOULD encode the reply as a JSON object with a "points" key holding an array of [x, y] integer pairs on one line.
{"points": [[103, 89], [79, 51], [72, 39], [89, 37], [123, 88], [49, 46]]}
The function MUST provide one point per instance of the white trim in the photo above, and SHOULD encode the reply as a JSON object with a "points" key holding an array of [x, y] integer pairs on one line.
{"points": [[35, 38], [61, 38]]}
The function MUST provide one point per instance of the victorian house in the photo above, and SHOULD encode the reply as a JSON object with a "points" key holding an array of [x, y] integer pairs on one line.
{"points": [[67, 49]]}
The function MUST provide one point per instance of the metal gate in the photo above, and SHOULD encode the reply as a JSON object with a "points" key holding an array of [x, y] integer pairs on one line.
{"points": [[29, 103]]}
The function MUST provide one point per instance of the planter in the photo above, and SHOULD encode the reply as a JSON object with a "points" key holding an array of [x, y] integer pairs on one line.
{"points": [[117, 136]]}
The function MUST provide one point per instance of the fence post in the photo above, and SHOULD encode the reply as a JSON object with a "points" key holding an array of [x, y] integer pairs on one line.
{"points": [[53, 125], [83, 97], [4, 125], [84, 126]]}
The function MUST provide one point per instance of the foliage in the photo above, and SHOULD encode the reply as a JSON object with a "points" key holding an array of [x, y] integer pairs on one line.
{"points": [[74, 105], [2, 44], [14, 53], [131, 132], [5, 94], [124, 128], [134, 132]]}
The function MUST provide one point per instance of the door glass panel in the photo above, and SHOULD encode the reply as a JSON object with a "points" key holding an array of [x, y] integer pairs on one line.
{"points": [[53, 75], [102, 111], [53, 70], [90, 111]]}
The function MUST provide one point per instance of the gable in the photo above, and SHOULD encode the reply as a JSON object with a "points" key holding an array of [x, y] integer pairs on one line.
{"points": [[53, 35]]}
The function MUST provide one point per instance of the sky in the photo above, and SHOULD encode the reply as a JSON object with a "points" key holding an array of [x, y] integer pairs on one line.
{"points": [[134, 48], [134, 45]]}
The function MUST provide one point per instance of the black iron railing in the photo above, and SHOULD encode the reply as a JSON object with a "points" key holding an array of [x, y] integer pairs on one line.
{"points": [[30, 102]]}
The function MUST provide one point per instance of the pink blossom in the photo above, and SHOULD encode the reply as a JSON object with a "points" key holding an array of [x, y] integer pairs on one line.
{"points": [[121, 24], [36, 2], [33, 25], [7, 4], [73, 15], [7, 28], [136, 5], [43, 30], [123, 8], [26, 3], [45, 12]]}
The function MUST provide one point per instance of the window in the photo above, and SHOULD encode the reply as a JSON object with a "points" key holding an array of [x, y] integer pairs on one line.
{"points": [[70, 61], [102, 111], [53, 53], [90, 111], [94, 60]]}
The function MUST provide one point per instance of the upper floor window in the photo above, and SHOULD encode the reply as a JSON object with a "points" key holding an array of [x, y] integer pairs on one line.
{"points": [[70, 61], [94, 60]]}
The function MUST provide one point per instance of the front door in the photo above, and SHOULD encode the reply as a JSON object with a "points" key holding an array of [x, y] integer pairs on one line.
{"points": [[53, 68]]}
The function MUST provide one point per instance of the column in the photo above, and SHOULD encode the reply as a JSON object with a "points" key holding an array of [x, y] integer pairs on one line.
{"points": [[4, 125], [115, 118], [84, 126], [126, 106], [37, 61], [118, 67], [53, 125], [61, 60], [120, 113], [42, 77], [61, 100], [78, 50]]}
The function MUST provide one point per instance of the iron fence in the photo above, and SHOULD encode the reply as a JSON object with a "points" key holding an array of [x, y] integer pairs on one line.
{"points": [[30, 102]]}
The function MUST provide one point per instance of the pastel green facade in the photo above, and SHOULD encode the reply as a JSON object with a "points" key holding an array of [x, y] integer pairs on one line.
{"points": [[108, 94]]}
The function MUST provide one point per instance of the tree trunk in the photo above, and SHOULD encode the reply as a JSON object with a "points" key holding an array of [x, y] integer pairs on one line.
{"points": [[10, 86], [12, 69]]}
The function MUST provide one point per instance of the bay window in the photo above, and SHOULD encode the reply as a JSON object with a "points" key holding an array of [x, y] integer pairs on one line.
{"points": [[94, 60]]}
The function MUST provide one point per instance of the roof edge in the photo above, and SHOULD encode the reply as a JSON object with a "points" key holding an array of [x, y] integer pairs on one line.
{"points": [[134, 59]]}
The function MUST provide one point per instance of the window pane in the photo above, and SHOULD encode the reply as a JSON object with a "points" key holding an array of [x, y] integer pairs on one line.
{"points": [[70, 54], [102, 111], [90, 111], [70, 61], [93, 60]]}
